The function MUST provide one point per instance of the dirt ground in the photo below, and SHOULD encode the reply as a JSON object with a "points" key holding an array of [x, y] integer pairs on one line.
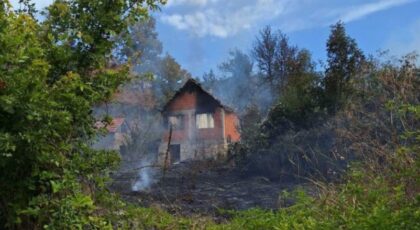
{"points": [[205, 188]]}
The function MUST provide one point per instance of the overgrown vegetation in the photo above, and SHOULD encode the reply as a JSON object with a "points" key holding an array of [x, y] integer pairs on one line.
{"points": [[51, 74], [356, 125], [379, 127]]}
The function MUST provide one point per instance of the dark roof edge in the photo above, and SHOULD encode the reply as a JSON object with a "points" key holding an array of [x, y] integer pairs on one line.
{"points": [[191, 80]]}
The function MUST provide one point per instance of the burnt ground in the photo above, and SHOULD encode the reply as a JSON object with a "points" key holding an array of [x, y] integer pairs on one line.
{"points": [[205, 188]]}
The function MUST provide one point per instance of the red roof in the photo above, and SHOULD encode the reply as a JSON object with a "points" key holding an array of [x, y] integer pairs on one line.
{"points": [[115, 124], [113, 127]]}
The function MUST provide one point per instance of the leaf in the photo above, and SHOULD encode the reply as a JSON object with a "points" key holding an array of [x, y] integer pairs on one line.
{"points": [[7, 104], [55, 187]]}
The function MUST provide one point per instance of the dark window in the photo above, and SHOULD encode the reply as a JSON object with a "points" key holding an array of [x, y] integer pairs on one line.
{"points": [[175, 153], [177, 121]]}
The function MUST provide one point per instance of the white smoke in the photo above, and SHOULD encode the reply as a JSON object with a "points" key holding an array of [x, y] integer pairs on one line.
{"points": [[145, 179], [145, 161], [140, 154]]}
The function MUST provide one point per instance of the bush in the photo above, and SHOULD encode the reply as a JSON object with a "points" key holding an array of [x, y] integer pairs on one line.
{"points": [[380, 128], [51, 75]]}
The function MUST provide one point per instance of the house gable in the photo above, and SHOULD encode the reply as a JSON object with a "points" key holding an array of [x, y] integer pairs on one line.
{"points": [[193, 96]]}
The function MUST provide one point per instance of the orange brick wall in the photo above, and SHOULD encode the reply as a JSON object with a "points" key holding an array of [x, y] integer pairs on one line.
{"points": [[215, 133], [178, 135], [231, 129], [187, 101]]}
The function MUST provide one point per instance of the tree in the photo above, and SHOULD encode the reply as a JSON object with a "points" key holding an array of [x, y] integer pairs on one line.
{"points": [[51, 75], [285, 60], [169, 78], [238, 65], [278, 60], [83, 31], [250, 125], [345, 60], [238, 87], [209, 80], [264, 52], [143, 48]]}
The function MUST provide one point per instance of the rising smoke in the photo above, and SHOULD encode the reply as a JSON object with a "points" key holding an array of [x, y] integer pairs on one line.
{"points": [[238, 85], [140, 153], [141, 132], [146, 175]]}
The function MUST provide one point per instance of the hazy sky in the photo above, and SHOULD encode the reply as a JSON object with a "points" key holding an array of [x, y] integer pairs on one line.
{"points": [[200, 33]]}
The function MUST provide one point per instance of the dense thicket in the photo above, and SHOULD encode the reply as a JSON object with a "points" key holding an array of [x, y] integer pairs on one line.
{"points": [[295, 137], [358, 122], [51, 74], [379, 126]]}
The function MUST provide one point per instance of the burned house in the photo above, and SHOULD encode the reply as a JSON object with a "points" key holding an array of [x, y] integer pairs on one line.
{"points": [[198, 126]]}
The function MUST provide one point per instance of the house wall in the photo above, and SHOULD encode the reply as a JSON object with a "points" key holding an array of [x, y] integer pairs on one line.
{"points": [[215, 133], [198, 143], [187, 100], [185, 104], [231, 127]]}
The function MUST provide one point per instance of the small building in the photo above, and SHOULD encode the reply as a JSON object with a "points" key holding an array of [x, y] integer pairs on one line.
{"points": [[114, 137], [197, 126]]}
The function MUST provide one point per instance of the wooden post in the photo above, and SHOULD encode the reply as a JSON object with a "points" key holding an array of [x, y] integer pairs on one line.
{"points": [[165, 163]]}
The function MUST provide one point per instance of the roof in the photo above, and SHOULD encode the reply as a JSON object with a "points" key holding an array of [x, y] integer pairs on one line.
{"points": [[113, 126], [192, 82]]}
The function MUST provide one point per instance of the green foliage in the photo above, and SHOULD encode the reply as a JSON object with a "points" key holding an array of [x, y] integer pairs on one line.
{"points": [[170, 78], [345, 60], [380, 190], [51, 74], [292, 137], [301, 96], [79, 35], [278, 60], [238, 87], [143, 50], [300, 104], [358, 204]]}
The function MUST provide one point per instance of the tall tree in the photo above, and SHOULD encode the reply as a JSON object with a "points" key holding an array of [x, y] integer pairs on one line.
{"points": [[143, 51], [169, 78], [285, 60], [345, 60], [143, 47], [209, 80], [277, 59], [264, 52], [238, 65], [238, 87]]}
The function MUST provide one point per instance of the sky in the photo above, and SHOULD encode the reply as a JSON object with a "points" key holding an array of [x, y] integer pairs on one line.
{"points": [[200, 33]]}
